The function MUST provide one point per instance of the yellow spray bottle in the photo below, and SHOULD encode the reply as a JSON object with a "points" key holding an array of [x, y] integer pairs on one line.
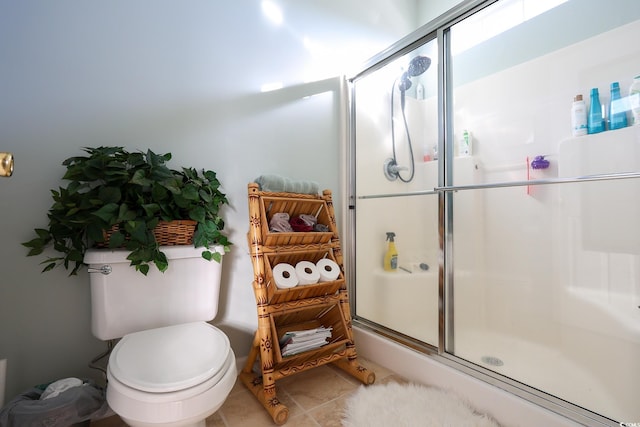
{"points": [[391, 257]]}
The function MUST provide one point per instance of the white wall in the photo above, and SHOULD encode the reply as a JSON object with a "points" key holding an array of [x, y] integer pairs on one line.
{"points": [[430, 9], [179, 77]]}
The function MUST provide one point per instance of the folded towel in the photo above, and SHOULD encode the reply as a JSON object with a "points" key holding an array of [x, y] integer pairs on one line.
{"points": [[298, 224], [277, 183], [321, 228], [280, 222], [309, 219]]}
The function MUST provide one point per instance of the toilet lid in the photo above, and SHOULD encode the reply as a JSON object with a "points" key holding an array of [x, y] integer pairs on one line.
{"points": [[171, 358]]}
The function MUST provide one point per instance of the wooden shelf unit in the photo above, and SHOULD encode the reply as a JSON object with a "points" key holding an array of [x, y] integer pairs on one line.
{"points": [[298, 308]]}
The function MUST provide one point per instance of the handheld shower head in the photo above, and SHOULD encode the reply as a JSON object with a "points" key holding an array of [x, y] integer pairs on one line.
{"points": [[405, 82], [418, 65]]}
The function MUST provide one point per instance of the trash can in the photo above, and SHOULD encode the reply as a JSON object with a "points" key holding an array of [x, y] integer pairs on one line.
{"points": [[63, 403]]}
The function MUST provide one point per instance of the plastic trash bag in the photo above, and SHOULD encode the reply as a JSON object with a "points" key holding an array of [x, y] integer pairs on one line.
{"points": [[65, 403]]}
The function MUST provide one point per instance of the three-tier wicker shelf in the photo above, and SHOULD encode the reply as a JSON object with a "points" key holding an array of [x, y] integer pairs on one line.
{"points": [[302, 307]]}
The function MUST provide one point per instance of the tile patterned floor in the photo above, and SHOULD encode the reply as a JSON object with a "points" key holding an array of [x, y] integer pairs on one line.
{"points": [[314, 398]]}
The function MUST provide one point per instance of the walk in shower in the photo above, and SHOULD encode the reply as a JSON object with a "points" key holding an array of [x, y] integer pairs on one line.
{"points": [[519, 244]]}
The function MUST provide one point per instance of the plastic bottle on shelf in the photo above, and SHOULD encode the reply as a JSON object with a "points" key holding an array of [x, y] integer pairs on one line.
{"points": [[578, 116], [617, 111], [465, 144], [634, 100], [595, 121], [426, 154], [391, 256]]}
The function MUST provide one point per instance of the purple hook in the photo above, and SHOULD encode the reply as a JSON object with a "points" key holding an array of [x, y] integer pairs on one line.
{"points": [[539, 163]]}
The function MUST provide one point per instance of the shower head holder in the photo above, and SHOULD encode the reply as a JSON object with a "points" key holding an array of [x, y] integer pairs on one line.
{"points": [[404, 83]]}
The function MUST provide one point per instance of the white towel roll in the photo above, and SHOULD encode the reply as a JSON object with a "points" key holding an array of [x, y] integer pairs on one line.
{"points": [[285, 276], [307, 272], [328, 269]]}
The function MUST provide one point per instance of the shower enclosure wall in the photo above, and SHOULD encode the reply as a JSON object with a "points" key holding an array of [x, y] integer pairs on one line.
{"points": [[519, 257]]}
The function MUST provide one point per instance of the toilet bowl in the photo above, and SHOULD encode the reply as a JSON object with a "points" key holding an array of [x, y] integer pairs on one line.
{"points": [[171, 376]]}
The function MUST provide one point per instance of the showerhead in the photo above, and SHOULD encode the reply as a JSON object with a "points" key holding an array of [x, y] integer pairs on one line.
{"points": [[405, 82], [418, 65]]}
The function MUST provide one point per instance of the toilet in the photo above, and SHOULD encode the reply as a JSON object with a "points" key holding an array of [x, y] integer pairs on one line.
{"points": [[170, 367]]}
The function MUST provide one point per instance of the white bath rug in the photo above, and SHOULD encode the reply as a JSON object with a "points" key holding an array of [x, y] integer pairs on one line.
{"points": [[409, 405]]}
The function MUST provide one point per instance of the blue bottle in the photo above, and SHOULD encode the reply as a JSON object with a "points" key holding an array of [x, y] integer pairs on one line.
{"points": [[617, 113], [595, 121]]}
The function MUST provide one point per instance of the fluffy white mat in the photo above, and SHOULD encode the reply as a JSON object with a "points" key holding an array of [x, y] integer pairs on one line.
{"points": [[409, 405]]}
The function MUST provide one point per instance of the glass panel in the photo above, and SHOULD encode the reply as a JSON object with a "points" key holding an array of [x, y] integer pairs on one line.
{"points": [[549, 293], [396, 123], [396, 131], [405, 300], [546, 278], [513, 85]]}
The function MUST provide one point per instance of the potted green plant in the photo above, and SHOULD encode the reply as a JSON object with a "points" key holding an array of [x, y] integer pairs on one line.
{"points": [[116, 199]]}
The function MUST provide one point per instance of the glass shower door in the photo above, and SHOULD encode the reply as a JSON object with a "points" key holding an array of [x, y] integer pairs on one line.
{"points": [[545, 237], [396, 127], [518, 242]]}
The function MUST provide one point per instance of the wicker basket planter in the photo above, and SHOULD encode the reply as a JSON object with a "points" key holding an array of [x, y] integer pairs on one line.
{"points": [[177, 232], [167, 233]]}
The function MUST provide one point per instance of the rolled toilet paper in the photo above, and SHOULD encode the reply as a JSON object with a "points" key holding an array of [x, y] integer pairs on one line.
{"points": [[285, 276], [307, 272], [328, 269]]}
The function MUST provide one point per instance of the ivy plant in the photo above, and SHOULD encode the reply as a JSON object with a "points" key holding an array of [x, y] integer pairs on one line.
{"points": [[133, 192]]}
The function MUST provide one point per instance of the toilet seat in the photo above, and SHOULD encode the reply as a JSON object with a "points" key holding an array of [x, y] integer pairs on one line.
{"points": [[188, 406], [170, 359]]}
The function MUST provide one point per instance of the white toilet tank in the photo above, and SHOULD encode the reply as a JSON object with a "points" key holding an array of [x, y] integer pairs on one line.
{"points": [[126, 301]]}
